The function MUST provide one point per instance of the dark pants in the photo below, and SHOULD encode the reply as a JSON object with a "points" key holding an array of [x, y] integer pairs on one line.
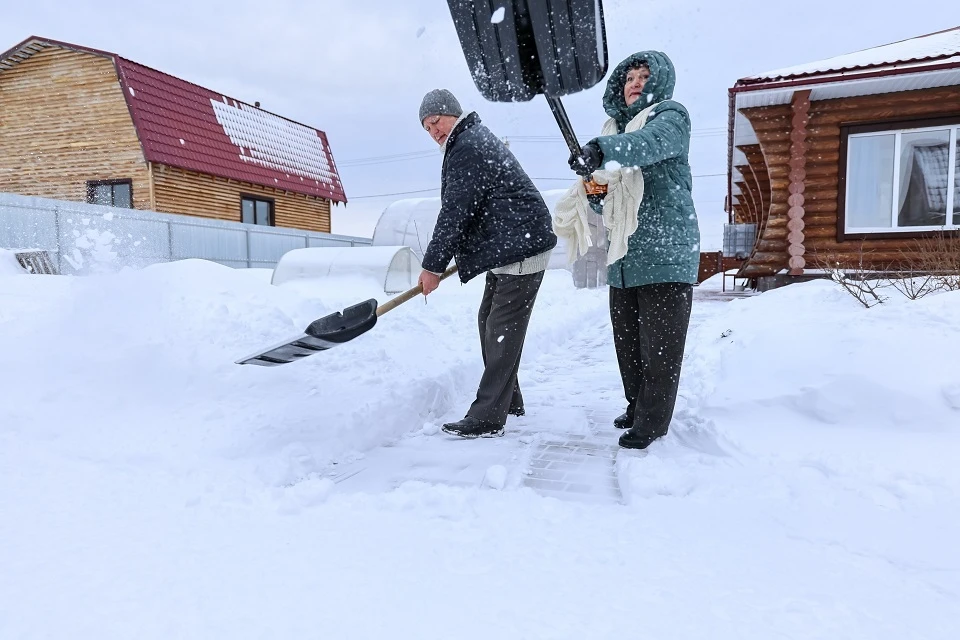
{"points": [[503, 319], [649, 331]]}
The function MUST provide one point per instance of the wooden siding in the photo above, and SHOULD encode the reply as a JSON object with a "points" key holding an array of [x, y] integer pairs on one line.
{"points": [[822, 175], [772, 128], [197, 194], [63, 121], [758, 170]]}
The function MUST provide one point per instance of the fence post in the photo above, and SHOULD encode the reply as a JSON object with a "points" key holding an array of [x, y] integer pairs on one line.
{"points": [[247, 231], [56, 230], [169, 240]]}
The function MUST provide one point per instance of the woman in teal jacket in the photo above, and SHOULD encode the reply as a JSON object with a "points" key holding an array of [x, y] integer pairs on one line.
{"points": [[651, 287]]}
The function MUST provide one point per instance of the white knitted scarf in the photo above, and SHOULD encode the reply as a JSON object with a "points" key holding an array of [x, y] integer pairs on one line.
{"points": [[620, 204]]}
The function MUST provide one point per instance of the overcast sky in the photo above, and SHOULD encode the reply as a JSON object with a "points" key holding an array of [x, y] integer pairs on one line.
{"points": [[357, 69]]}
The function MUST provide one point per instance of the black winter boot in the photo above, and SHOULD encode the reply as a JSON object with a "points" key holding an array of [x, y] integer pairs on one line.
{"points": [[471, 427], [623, 421], [636, 439]]}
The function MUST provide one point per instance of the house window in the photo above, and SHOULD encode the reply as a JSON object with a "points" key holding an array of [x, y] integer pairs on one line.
{"points": [[256, 211], [900, 179], [112, 193]]}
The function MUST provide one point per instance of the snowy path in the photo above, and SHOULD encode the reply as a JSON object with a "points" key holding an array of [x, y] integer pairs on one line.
{"points": [[565, 447]]}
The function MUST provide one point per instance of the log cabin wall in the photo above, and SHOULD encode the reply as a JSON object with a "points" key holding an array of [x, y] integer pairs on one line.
{"points": [[197, 194], [63, 121], [755, 173], [772, 128], [821, 181]]}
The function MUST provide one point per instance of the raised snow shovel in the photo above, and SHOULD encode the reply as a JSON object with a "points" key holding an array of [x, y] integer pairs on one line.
{"points": [[517, 49], [333, 330]]}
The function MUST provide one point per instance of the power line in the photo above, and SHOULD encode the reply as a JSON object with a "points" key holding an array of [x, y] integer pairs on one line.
{"points": [[696, 175], [397, 193], [398, 157], [430, 153], [701, 133], [405, 193]]}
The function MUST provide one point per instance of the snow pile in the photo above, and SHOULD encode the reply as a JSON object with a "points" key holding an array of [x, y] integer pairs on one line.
{"points": [[811, 352], [151, 488], [9, 266], [148, 357]]}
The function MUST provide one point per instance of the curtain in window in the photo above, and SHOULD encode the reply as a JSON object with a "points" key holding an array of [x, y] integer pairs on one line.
{"points": [[956, 181], [869, 201], [924, 164]]}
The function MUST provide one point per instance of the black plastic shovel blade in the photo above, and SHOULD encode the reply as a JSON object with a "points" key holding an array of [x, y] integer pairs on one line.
{"points": [[516, 49], [571, 43], [322, 334], [345, 325]]}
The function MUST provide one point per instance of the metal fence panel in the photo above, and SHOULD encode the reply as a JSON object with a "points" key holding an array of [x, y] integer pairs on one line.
{"points": [[207, 242], [315, 241], [267, 247], [87, 238], [24, 225]]}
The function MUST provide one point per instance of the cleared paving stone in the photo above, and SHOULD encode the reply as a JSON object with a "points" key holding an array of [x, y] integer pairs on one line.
{"points": [[574, 469]]}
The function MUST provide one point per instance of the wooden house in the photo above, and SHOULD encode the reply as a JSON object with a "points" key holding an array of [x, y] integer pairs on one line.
{"points": [[87, 125], [848, 160]]}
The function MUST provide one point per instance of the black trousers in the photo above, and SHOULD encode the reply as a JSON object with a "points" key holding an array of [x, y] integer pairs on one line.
{"points": [[649, 332], [503, 319]]}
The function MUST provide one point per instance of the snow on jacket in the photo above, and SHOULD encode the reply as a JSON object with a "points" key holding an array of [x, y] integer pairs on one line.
{"points": [[491, 214], [666, 245]]}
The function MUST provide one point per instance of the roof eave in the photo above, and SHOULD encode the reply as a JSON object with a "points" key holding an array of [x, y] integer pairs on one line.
{"points": [[843, 75], [55, 43]]}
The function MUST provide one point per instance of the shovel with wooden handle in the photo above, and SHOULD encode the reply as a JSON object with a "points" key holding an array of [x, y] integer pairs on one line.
{"points": [[333, 330]]}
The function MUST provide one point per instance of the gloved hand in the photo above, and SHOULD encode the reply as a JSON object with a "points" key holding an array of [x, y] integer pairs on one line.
{"points": [[588, 161]]}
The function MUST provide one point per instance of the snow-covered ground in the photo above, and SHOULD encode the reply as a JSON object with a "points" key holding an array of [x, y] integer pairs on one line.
{"points": [[150, 488]]}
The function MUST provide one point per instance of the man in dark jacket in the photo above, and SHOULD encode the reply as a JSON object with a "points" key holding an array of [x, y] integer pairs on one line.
{"points": [[492, 219]]}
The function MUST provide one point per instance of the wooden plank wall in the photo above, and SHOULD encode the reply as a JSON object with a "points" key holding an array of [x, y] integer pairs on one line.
{"points": [[63, 121], [822, 168], [197, 194], [772, 128], [758, 170]]}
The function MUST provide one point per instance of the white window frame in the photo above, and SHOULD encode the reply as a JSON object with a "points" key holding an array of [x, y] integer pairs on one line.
{"points": [[951, 183]]}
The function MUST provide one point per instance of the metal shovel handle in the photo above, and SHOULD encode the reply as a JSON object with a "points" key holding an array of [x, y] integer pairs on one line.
{"points": [[560, 114], [395, 302]]}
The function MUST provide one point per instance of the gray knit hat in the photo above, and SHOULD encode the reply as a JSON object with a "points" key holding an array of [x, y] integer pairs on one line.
{"points": [[439, 102]]}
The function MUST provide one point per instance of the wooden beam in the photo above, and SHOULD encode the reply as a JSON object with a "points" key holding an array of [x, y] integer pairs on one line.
{"points": [[800, 108], [153, 187]]}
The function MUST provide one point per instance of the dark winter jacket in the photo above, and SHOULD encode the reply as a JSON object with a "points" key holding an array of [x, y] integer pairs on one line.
{"points": [[491, 214], [666, 244]]}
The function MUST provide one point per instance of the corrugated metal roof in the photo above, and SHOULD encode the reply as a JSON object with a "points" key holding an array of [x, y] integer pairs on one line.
{"points": [[827, 88], [930, 48], [184, 125]]}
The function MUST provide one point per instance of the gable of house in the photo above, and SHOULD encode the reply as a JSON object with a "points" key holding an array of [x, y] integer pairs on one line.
{"points": [[175, 123], [64, 123]]}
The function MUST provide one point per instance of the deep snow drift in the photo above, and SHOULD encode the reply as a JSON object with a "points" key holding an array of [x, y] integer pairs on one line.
{"points": [[151, 488]]}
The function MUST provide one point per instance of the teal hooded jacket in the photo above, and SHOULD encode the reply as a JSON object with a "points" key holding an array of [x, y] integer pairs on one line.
{"points": [[666, 244]]}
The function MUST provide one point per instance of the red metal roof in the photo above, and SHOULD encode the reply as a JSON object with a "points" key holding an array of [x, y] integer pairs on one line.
{"points": [[184, 125]]}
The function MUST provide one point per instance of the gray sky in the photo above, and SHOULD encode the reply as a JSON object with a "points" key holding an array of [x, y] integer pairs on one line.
{"points": [[357, 69]]}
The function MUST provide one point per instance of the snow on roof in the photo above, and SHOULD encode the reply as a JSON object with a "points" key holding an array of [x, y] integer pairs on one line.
{"points": [[930, 48], [274, 142], [184, 125]]}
